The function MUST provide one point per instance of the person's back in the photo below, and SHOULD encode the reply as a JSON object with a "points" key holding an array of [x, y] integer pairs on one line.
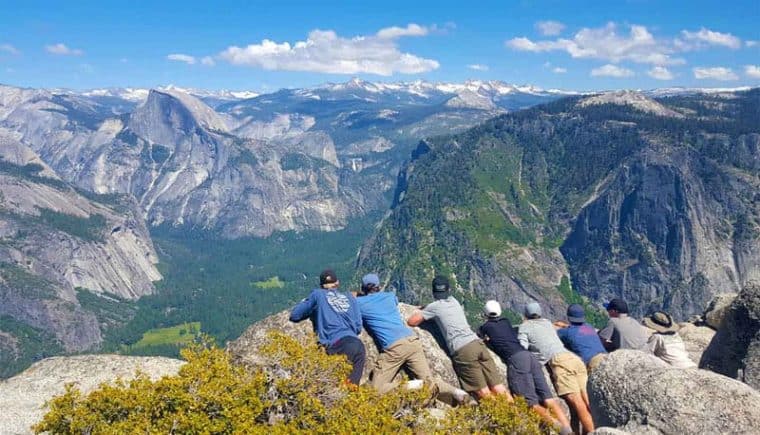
{"points": [[622, 331], [337, 321], [539, 337], [382, 319], [451, 320], [665, 343], [500, 337]]}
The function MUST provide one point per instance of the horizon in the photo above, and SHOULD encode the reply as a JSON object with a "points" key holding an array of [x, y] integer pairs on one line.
{"points": [[266, 47]]}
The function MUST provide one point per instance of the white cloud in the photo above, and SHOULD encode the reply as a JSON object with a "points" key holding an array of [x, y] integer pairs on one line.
{"points": [[324, 51], [610, 70], [752, 71], [705, 37], [750, 43], [62, 50], [397, 32], [604, 43], [8, 48], [559, 70], [178, 57], [478, 67], [715, 73], [208, 61], [660, 73], [550, 28]]}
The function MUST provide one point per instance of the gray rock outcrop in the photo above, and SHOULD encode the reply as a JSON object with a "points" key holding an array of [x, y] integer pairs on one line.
{"points": [[635, 388], [735, 349], [717, 309], [23, 397], [696, 338]]}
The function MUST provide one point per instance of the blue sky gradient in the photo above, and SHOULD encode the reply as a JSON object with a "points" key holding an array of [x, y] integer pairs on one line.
{"points": [[91, 44]]}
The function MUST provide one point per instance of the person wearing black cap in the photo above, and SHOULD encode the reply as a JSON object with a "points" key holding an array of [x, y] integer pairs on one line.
{"points": [[622, 332], [337, 321], [472, 363], [665, 343]]}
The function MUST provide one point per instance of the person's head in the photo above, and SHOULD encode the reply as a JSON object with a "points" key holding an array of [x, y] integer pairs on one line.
{"points": [[440, 287], [533, 311], [492, 309], [616, 307], [328, 279], [370, 284], [576, 314], [661, 322]]}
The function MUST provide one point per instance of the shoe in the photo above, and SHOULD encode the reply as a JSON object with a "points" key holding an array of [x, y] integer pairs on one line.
{"points": [[415, 384]]}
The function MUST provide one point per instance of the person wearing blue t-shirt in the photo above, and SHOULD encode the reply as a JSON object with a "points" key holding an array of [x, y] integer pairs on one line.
{"points": [[399, 346], [581, 338], [337, 321]]}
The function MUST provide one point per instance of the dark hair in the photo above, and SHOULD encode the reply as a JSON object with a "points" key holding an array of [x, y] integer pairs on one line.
{"points": [[369, 288]]}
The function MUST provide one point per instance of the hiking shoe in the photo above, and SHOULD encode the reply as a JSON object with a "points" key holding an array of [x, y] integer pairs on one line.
{"points": [[415, 384]]}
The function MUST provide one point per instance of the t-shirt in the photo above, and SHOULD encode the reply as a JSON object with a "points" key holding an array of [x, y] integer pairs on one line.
{"points": [[382, 319], [501, 337], [335, 314], [582, 340], [625, 333], [670, 348], [450, 318], [539, 337]]}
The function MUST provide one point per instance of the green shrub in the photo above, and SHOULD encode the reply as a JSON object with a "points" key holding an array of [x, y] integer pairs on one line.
{"points": [[292, 389]]}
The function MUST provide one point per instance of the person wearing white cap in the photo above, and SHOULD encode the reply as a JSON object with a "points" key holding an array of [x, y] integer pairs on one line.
{"points": [[399, 346], [568, 371], [524, 374]]}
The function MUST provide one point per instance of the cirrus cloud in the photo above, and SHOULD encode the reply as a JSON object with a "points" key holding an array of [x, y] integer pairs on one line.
{"points": [[550, 28], [660, 73], [715, 73], [478, 67], [179, 57], [8, 48], [752, 71], [324, 51], [559, 70], [610, 70], [62, 49]]}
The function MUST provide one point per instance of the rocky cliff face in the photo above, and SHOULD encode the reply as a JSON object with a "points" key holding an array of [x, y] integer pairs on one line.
{"points": [[55, 243], [639, 199]]}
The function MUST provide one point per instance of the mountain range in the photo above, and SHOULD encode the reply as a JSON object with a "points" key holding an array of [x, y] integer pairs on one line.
{"points": [[648, 195]]}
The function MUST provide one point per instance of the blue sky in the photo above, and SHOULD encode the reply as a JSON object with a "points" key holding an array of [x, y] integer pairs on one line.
{"points": [[264, 46]]}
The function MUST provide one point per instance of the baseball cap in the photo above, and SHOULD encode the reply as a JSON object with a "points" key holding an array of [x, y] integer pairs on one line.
{"points": [[532, 309], [492, 308], [440, 287], [618, 305], [327, 277], [576, 314], [370, 279]]}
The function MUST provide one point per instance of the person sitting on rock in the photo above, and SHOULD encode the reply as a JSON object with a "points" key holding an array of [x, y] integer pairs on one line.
{"points": [[399, 346], [524, 374], [665, 343], [337, 321], [580, 337], [567, 370], [622, 332], [473, 364]]}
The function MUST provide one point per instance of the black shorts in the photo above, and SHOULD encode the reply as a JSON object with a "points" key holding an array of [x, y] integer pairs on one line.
{"points": [[526, 378]]}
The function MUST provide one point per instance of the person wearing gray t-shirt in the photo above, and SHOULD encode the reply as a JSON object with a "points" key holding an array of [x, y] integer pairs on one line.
{"points": [[473, 364], [623, 332]]}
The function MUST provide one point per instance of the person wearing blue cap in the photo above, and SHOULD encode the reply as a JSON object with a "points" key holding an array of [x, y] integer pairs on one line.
{"points": [[580, 337], [399, 346]]}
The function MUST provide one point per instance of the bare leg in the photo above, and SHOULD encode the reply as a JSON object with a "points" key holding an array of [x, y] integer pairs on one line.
{"points": [[576, 402], [483, 392], [553, 405], [501, 390]]}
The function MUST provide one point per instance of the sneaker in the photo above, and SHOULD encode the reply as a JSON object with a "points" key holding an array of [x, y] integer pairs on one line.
{"points": [[415, 384]]}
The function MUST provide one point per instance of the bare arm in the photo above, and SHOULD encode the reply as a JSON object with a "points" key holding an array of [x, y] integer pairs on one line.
{"points": [[415, 319]]}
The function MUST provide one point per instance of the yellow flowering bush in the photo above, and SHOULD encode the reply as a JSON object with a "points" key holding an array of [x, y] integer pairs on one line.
{"points": [[296, 389]]}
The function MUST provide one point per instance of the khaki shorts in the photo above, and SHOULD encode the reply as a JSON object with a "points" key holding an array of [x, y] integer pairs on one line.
{"points": [[568, 373], [475, 368]]}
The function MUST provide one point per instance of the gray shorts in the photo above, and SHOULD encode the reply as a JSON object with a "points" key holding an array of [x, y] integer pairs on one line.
{"points": [[526, 378]]}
